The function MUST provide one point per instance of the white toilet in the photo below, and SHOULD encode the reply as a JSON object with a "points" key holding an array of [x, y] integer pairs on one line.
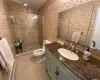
{"points": [[39, 53]]}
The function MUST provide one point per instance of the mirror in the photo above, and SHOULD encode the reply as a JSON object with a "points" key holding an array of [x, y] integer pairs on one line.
{"points": [[78, 24]]}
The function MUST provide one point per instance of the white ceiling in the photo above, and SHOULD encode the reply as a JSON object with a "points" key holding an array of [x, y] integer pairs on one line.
{"points": [[33, 4], [36, 4]]}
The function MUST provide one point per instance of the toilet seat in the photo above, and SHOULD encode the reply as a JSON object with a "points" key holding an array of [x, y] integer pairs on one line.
{"points": [[38, 52]]}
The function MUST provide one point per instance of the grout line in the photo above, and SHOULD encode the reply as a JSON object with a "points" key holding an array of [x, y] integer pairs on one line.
{"points": [[23, 53]]}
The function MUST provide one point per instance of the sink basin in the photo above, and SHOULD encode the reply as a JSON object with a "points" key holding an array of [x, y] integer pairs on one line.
{"points": [[68, 54]]}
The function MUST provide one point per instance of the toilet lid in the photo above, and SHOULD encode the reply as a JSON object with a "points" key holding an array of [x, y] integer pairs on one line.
{"points": [[38, 53], [47, 42]]}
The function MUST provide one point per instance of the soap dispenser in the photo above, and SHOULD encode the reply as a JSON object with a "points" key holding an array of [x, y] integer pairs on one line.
{"points": [[87, 54]]}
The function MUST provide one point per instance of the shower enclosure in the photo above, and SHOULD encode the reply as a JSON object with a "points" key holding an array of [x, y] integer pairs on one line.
{"points": [[27, 28]]}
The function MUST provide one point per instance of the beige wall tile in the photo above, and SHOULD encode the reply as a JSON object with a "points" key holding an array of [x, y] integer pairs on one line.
{"points": [[50, 11]]}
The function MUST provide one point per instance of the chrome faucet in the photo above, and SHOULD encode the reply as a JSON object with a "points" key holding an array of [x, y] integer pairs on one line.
{"points": [[77, 51], [71, 46]]}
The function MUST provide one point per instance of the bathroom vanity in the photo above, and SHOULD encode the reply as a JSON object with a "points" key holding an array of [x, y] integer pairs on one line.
{"points": [[84, 19], [61, 68]]}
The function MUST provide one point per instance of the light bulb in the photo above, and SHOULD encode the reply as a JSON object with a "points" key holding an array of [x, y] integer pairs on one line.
{"points": [[25, 4]]}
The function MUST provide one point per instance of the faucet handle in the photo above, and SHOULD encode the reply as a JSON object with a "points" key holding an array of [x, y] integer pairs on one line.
{"points": [[71, 46]]}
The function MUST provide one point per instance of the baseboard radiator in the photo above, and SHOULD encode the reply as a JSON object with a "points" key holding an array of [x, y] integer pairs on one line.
{"points": [[12, 72]]}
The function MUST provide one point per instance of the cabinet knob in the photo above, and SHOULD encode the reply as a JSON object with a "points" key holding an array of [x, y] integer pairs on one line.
{"points": [[57, 73]]}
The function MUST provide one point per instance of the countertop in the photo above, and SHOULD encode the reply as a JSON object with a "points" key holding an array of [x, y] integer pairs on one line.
{"points": [[87, 70], [82, 47]]}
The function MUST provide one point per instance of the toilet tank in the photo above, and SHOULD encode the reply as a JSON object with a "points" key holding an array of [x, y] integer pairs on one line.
{"points": [[46, 42]]}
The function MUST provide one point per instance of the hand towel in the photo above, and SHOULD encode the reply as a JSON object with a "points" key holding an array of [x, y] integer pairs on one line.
{"points": [[2, 62]]}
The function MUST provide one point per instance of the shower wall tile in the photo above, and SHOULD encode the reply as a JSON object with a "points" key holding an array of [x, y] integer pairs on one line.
{"points": [[23, 28]]}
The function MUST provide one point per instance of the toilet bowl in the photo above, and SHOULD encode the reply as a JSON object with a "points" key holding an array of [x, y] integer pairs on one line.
{"points": [[39, 53]]}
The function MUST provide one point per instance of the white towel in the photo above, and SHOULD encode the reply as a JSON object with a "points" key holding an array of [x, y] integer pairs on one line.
{"points": [[3, 59], [2, 62], [76, 36], [6, 54]]}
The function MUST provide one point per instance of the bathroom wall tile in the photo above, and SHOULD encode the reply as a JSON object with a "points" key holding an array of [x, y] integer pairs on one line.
{"points": [[4, 31], [89, 37], [50, 11]]}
